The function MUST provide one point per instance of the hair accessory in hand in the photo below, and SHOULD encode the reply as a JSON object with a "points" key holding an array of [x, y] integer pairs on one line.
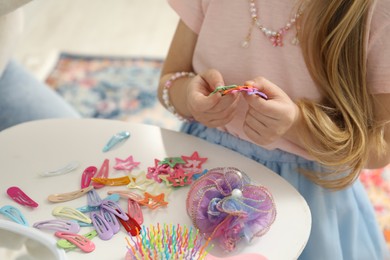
{"points": [[58, 225], [224, 205], [65, 244], [115, 140], [102, 173], [14, 214], [87, 175], [20, 197], [63, 170], [80, 241], [250, 90], [69, 195]]}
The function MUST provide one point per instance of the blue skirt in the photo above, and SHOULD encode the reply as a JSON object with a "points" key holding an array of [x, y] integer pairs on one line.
{"points": [[343, 222]]}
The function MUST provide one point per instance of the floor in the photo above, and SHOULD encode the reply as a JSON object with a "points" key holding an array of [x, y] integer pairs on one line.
{"points": [[98, 27]]}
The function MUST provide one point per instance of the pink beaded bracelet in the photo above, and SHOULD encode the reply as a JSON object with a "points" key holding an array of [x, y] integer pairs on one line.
{"points": [[165, 94]]}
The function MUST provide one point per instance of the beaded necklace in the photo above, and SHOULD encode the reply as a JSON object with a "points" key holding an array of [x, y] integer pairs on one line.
{"points": [[276, 37]]}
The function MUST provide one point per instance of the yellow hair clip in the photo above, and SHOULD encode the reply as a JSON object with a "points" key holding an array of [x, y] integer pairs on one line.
{"points": [[70, 213]]}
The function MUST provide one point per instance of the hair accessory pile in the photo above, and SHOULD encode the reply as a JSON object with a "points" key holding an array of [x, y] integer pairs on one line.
{"points": [[224, 205]]}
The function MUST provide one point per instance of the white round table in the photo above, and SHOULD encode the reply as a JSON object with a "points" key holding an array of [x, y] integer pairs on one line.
{"points": [[30, 148]]}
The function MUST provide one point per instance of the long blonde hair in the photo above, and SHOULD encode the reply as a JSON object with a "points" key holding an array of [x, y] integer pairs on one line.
{"points": [[333, 43]]}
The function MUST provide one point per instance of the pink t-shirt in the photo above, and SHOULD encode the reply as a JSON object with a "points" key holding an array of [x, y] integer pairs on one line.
{"points": [[222, 25]]}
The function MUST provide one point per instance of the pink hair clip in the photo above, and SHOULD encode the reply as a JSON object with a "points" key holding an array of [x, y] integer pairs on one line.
{"points": [[134, 211], [65, 244], [20, 197], [81, 242], [68, 196], [102, 173], [126, 194], [126, 165], [87, 175], [58, 225], [102, 227]]}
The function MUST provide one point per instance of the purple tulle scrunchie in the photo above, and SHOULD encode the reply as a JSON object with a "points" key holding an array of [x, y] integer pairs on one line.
{"points": [[224, 205]]}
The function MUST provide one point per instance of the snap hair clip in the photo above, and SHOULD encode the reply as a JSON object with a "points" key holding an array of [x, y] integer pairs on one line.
{"points": [[65, 244], [20, 197], [131, 225], [112, 181], [134, 211], [58, 225], [102, 173], [93, 198], [81, 242], [70, 213], [68, 196], [115, 140], [63, 170], [114, 208], [87, 208], [14, 214], [87, 175], [111, 219], [103, 229]]}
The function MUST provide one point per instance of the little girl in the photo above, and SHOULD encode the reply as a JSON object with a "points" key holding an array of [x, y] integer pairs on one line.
{"points": [[325, 69]]}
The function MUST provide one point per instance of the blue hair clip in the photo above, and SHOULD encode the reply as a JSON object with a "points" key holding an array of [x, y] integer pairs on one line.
{"points": [[14, 214], [116, 139]]}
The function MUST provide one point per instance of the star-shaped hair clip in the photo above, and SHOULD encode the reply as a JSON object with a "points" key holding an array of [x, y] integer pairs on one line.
{"points": [[222, 89], [127, 164], [152, 201], [158, 169], [172, 161], [193, 161], [180, 178]]}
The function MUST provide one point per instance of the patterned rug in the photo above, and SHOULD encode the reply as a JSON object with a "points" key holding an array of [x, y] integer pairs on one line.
{"points": [[124, 88]]}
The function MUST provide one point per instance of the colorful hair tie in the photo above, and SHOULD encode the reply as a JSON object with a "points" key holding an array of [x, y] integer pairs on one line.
{"points": [[224, 205]]}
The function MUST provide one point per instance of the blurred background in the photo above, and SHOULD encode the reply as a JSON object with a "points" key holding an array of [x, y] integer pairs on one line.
{"points": [[96, 27]]}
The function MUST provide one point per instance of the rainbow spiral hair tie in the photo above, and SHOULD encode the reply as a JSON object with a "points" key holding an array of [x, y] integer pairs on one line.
{"points": [[224, 205]]}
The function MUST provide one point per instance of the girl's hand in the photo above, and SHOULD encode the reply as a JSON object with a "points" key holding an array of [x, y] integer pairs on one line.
{"points": [[211, 110], [268, 120]]}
